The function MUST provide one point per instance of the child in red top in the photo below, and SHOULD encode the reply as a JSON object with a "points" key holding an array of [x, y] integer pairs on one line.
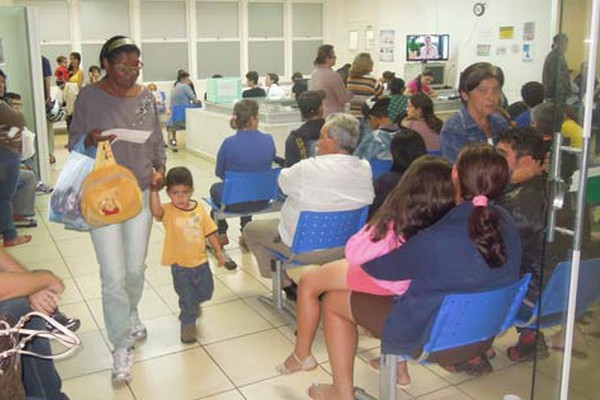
{"points": [[61, 73]]}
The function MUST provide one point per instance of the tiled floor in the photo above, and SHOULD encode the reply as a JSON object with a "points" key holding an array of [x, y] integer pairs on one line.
{"points": [[240, 341]]}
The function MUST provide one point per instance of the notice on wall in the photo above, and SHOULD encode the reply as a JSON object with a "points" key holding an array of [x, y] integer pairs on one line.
{"points": [[501, 51], [386, 45], [527, 52], [515, 48], [507, 32], [483, 50], [528, 31], [2, 60]]}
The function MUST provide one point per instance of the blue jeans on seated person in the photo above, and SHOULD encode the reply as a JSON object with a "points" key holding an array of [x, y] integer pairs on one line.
{"points": [[40, 378], [193, 285], [216, 191], [9, 177]]}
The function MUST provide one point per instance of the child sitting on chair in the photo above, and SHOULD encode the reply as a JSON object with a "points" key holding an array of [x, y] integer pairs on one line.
{"points": [[187, 224]]}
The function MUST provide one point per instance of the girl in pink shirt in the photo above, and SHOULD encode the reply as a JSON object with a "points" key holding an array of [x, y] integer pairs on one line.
{"points": [[423, 196]]}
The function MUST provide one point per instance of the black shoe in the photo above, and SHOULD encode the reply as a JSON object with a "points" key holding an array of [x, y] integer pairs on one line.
{"points": [[477, 366], [71, 324], [291, 292]]}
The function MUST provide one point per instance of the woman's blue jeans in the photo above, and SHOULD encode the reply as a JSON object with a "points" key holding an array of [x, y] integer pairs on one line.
{"points": [[121, 252], [9, 176]]}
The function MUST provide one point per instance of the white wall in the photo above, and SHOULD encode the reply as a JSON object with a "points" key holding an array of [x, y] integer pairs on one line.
{"points": [[447, 16]]}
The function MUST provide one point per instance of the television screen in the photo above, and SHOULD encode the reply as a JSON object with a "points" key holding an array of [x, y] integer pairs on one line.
{"points": [[428, 47]]}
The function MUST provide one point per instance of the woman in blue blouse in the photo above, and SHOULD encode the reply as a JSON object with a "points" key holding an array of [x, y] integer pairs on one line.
{"points": [[475, 247], [478, 120]]}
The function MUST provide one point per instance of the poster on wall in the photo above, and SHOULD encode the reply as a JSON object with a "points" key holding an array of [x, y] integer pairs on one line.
{"points": [[483, 50], [515, 48], [527, 52], [2, 60], [369, 39], [353, 40], [528, 31], [501, 51], [507, 32], [386, 45]]}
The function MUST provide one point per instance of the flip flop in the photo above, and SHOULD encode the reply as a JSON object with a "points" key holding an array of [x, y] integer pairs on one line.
{"points": [[308, 364], [374, 364], [19, 240], [26, 223]]}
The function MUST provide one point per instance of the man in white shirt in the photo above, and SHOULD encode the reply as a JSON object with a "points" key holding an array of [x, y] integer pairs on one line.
{"points": [[429, 51], [335, 180]]}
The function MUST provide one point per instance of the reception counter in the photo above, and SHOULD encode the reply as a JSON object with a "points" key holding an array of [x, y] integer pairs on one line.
{"points": [[207, 127]]}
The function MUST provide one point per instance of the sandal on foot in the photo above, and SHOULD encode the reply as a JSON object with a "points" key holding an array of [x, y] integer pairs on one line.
{"points": [[316, 391], [375, 363], [308, 364], [19, 240]]}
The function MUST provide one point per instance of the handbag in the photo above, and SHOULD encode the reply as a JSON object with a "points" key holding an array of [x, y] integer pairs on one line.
{"points": [[11, 383], [13, 340], [65, 202], [111, 193]]}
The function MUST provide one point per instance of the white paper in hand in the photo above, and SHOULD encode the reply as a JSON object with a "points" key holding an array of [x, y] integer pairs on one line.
{"points": [[128, 135]]}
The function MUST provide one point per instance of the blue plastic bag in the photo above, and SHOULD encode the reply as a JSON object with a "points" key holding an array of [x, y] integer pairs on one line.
{"points": [[65, 202]]}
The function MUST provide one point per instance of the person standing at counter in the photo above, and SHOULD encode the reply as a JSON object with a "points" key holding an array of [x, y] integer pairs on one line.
{"points": [[478, 120], [181, 95], [249, 150], [326, 79]]}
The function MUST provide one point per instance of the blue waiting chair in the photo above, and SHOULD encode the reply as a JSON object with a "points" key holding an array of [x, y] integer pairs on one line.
{"points": [[552, 310], [435, 153], [379, 167], [316, 230], [241, 187], [462, 319]]}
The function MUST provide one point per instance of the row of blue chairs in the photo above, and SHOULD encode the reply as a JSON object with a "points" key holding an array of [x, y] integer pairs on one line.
{"points": [[463, 318]]}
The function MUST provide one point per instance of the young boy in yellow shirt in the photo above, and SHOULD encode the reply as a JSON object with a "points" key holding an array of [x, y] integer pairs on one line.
{"points": [[187, 224]]}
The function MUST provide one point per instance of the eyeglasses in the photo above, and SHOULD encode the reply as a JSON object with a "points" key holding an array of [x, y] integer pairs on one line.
{"points": [[129, 67]]}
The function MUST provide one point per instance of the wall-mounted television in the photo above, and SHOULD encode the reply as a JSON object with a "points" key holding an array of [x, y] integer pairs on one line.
{"points": [[427, 47]]}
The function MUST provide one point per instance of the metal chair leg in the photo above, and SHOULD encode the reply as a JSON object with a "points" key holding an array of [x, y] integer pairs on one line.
{"points": [[276, 300], [388, 371]]}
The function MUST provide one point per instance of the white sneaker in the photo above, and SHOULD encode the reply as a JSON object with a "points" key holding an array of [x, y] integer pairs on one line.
{"points": [[122, 364], [138, 330]]}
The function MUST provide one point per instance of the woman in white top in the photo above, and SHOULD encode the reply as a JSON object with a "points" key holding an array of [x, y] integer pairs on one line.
{"points": [[274, 92]]}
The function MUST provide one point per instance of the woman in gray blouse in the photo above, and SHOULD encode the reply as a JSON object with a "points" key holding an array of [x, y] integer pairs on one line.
{"points": [[117, 101]]}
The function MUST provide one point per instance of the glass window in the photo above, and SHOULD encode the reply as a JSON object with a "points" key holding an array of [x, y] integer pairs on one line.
{"points": [[217, 20], [266, 56], [94, 15], [218, 58], [265, 20], [51, 51], [163, 60], [163, 19], [307, 20], [90, 55], [303, 55], [54, 19]]}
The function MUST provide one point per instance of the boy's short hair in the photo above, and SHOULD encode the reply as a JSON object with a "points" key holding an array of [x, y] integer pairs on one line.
{"points": [[532, 93], [252, 76], [273, 77], [94, 68], [525, 142], [179, 176], [61, 59]]}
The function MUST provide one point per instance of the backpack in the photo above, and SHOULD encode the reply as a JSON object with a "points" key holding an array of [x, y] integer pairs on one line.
{"points": [[111, 193]]}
